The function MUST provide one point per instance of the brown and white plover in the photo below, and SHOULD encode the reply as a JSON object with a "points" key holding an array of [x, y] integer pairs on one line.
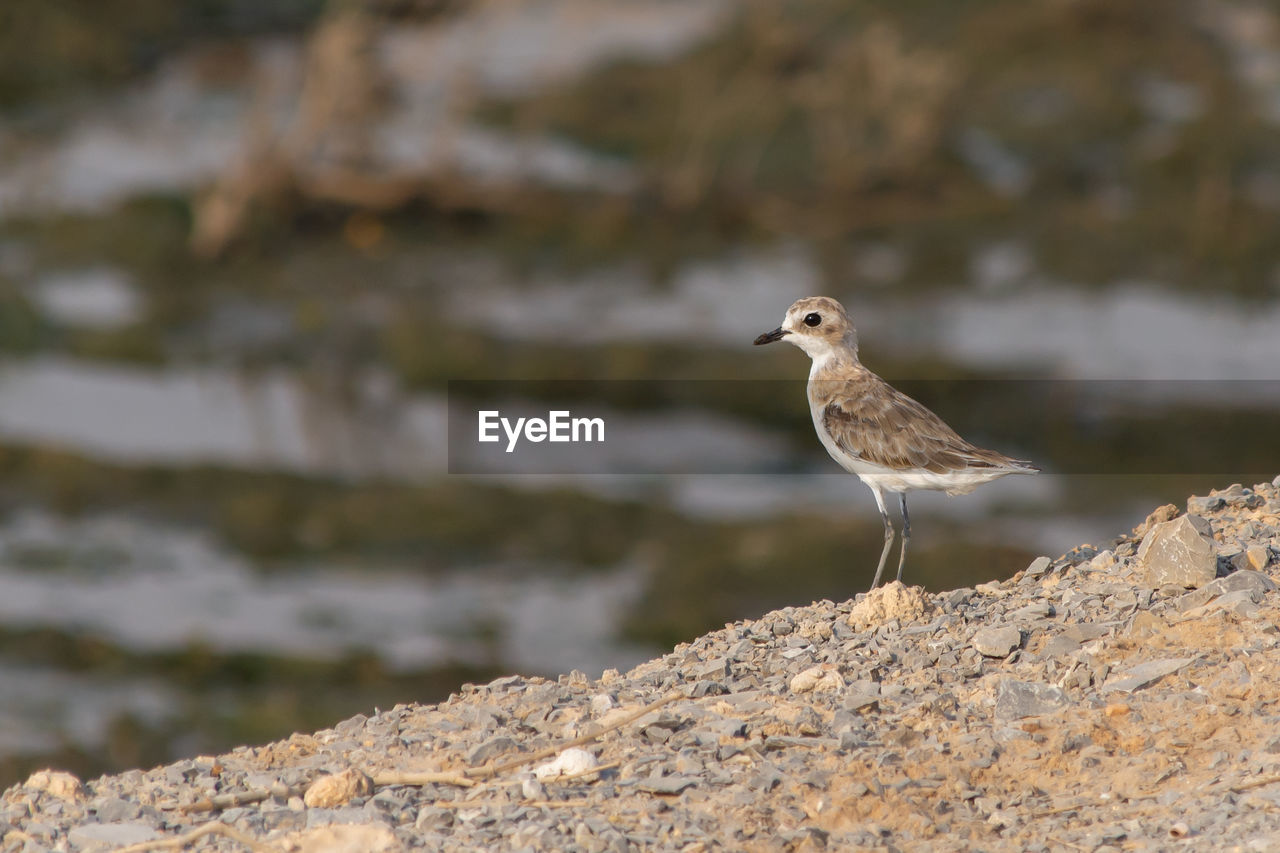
{"points": [[871, 429]]}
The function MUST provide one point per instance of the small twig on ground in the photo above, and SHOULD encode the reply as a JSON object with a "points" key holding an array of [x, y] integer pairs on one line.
{"points": [[1260, 782], [462, 781], [1059, 810], [212, 828], [536, 804], [417, 780], [244, 798]]}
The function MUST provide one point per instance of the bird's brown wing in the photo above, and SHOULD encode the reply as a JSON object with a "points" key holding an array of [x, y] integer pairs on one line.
{"points": [[868, 418]]}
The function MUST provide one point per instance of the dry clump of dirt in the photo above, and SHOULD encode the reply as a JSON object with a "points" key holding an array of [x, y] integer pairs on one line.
{"points": [[892, 601]]}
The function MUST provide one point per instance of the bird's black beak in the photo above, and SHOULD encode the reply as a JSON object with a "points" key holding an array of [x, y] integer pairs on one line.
{"points": [[770, 337]]}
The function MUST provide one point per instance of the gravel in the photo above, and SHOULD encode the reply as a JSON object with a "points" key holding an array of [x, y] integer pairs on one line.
{"points": [[1085, 703]]}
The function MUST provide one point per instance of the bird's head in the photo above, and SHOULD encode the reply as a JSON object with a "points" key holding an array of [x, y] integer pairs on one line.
{"points": [[816, 324]]}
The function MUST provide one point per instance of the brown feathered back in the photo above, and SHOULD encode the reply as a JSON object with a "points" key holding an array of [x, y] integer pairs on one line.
{"points": [[868, 418]]}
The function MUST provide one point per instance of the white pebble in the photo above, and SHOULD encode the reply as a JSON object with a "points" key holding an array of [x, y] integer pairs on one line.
{"points": [[821, 678], [531, 787]]}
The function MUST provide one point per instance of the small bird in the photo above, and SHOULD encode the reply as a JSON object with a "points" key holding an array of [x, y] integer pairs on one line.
{"points": [[871, 429]]}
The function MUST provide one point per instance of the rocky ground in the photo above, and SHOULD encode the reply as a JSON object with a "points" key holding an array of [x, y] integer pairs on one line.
{"points": [[1124, 697]]}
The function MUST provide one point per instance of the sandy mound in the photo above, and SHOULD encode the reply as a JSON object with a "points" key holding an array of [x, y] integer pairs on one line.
{"points": [[891, 601]]}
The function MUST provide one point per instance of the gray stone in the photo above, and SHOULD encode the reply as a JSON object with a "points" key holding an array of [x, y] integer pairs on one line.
{"points": [[716, 669], [1087, 632], [1017, 699], [1242, 579], [997, 642], [507, 682], [1039, 566], [727, 727], [707, 688], [351, 726], [1199, 505], [1195, 598], [1124, 598], [1256, 557], [1059, 646], [114, 809], [861, 694], [1179, 552], [490, 749], [1146, 674], [1242, 602], [657, 734], [285, 819], [1073, 597], [667, 784], [434, 817], [345, 814], [774, 743], [1038, 610], [98, 835], [1237, 495]]}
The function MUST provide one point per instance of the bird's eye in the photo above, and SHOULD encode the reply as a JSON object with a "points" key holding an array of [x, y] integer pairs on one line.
{"points": [[812, 319]]}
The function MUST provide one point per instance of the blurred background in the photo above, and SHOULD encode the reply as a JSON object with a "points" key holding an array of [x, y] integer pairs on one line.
{"points": [[245, 245]]}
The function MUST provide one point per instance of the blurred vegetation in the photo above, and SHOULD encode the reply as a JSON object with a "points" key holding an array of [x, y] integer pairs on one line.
{"points": [[55, 48], [827, 120]]}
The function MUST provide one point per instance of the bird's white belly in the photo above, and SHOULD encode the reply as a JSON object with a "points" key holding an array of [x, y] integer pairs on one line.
{"points": [[952, 482]]}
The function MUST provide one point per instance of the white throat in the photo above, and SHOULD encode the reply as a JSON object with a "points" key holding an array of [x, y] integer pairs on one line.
{"points": [[818, 349], [820, 361]]}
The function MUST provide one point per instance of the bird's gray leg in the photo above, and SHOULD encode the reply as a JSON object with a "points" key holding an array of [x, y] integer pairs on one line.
{"points": [[906, 532], [888, 536]]}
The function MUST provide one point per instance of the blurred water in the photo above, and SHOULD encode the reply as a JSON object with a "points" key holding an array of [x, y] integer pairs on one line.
{"points": [[721, 302], [100, 298], [43, 710], [276, 420], [183, 416], [1131, 330], [151, 588]]}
